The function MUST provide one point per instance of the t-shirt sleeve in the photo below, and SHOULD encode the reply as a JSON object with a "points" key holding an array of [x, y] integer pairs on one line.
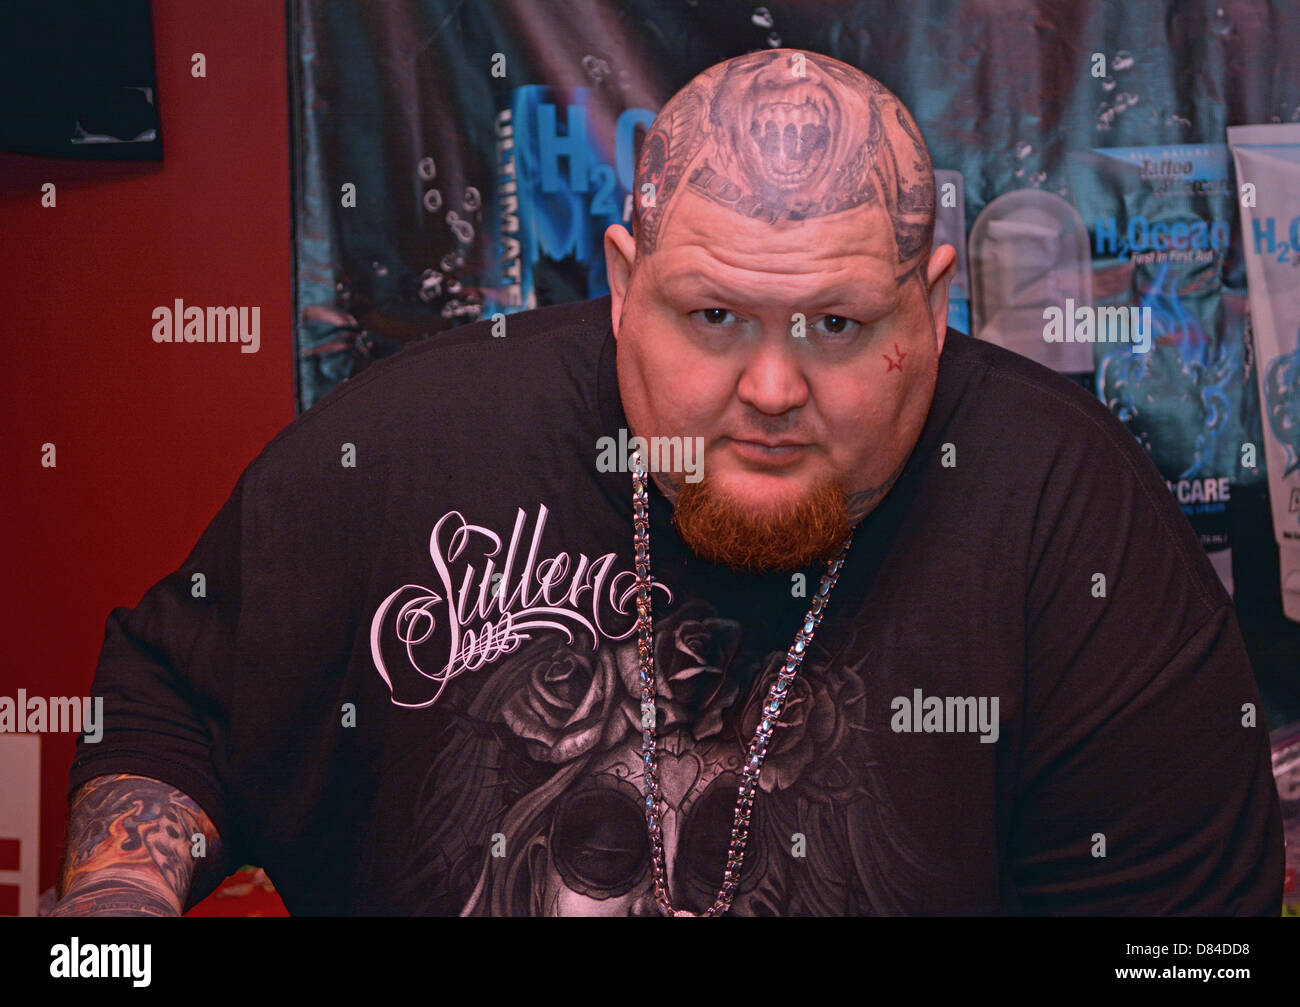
{"points": [[165, 673], [1144, 782]]}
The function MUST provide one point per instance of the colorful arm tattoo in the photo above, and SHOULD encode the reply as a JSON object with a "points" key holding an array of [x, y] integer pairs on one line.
{"points": [[132, 847]]}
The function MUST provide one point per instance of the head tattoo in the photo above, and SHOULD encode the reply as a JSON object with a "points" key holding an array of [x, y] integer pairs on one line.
{"points": [[787, 135]]}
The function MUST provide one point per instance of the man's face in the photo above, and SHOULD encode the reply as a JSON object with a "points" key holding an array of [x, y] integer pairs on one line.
{"points": [[708, 347]]}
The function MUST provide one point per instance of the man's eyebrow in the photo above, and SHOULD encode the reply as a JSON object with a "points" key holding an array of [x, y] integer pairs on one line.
{"points": [[877, 298]]}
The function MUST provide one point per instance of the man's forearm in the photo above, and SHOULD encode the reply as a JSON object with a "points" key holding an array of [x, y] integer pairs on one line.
{"points": [[130, 850], [118, 896]]}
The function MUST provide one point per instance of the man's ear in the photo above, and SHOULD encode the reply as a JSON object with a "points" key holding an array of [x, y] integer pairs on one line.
{"points": [[620, 256], [938, 276]]}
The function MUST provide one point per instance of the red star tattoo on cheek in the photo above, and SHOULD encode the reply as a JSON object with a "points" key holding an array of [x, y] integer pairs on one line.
{"points": [[895, 363]]}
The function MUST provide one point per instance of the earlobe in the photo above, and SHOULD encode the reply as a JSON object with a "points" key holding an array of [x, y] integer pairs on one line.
{"points": [[620, 255], [942, 268]]}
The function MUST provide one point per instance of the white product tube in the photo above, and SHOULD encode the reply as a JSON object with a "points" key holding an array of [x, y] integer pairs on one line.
{"points": [[1268, 180]]}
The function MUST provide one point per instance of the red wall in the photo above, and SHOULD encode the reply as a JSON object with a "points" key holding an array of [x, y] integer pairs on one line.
{"points": [[150, 438]]}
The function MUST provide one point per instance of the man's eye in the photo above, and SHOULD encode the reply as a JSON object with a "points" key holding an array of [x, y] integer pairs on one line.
{"points": [[838, 325], [713, 316]]}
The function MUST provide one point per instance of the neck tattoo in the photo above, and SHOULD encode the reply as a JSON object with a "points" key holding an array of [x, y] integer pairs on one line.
{"points": [[768, 722]]}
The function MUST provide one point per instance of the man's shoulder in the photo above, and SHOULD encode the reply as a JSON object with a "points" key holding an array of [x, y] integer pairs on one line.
{"points": [[1051, 451], [479, 377], [502, 346], [581, 321], [975, 368], [1022, 409]]}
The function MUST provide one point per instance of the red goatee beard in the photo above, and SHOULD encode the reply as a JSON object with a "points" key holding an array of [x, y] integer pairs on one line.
{"points": [[725, 531]]}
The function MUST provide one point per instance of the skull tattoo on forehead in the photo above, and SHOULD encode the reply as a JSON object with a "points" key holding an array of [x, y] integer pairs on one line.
{"points": [[789, 135]]}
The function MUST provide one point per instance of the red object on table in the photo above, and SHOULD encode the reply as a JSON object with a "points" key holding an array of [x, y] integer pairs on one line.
{"points": [[247, 892]]}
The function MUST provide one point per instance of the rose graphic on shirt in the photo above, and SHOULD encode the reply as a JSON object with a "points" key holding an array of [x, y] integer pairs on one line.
{"points": [[695, 684], [570, 701], [815, 722]]}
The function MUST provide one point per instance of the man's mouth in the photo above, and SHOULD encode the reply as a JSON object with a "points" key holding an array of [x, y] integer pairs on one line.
{"points": [[777, 452]]}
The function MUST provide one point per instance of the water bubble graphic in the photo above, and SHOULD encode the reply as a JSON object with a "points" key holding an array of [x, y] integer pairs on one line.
{"points": [[430, 284], [596, 68]]}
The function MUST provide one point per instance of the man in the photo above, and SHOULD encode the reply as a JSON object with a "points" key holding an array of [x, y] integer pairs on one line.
{"points": [[910, 624]]}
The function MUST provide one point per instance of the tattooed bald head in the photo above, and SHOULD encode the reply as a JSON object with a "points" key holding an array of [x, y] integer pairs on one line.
{"points": [[783, 136], [780, 302]]}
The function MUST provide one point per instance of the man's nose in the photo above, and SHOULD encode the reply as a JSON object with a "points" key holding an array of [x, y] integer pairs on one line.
{"points": [[773, 381]]}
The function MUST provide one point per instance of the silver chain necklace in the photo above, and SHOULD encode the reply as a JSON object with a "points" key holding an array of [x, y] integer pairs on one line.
{"points": [[771, 713]]}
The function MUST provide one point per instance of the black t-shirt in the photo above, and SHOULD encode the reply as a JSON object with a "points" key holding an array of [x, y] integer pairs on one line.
{"points": [[409, 684]]}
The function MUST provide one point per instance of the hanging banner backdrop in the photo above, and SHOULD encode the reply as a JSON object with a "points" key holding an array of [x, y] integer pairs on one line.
{"points": [[458, 160]]}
